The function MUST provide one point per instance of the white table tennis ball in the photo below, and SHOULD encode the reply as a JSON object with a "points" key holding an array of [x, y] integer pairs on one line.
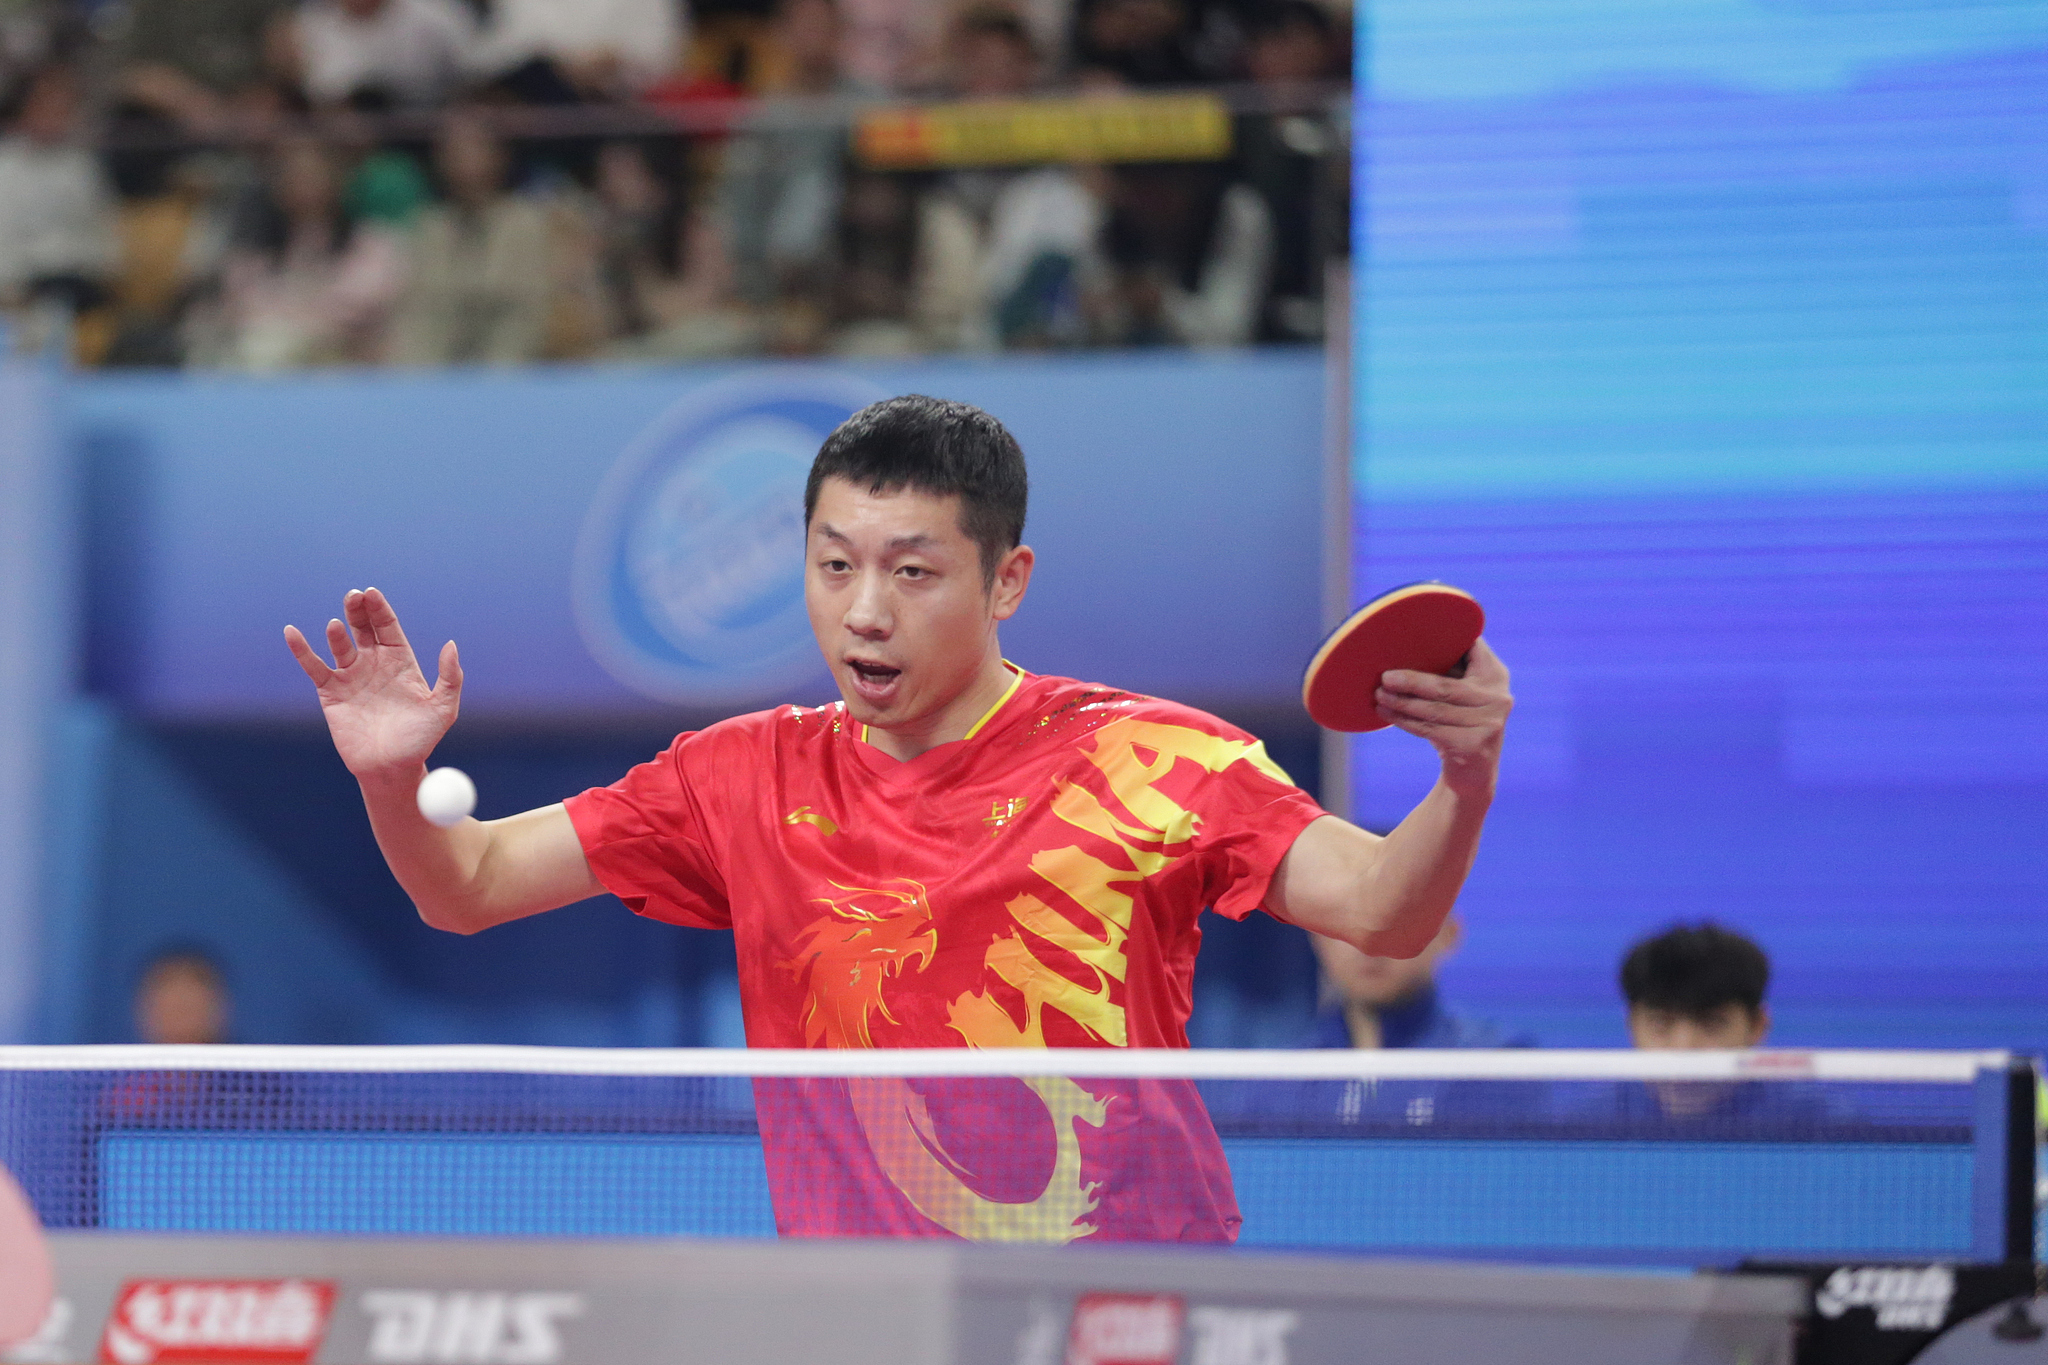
{"points": [[447, 796]]}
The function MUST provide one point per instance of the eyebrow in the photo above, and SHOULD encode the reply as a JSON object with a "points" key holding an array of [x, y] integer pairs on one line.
{"points": [[921, 540]]}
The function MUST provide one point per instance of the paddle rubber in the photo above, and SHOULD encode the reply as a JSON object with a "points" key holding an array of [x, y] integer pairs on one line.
{"points": [[27, 1282], [1426, 627]]}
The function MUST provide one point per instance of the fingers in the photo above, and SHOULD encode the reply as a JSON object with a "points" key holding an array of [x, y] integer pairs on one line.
{"points": [[340, 644], [1484, 666], [355, 605], [315, 667], [448, 676], [382, 619], [1406, 711]]}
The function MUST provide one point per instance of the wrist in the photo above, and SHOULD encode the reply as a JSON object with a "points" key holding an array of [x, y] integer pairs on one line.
{"points": [[401, 779], [1473, 784]]}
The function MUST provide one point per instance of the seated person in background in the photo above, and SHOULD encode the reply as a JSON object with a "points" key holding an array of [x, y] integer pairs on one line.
{"points": [[182, 998], [780, 187], [388, 53], [1393, 1002], [306, 283], [1143, 42], [1696, 986], [57, 214], [1289, 160], [1700, 986], [1193, 250], [202, 63], [567, 51], [482, 261], [1005, 257]]}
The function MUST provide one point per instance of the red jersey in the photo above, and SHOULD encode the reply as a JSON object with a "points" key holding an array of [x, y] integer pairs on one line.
{"points": [[1035, 884]]}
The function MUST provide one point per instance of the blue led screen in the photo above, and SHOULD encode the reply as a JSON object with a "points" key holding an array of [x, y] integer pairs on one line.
{"points": [[1707, 343]]}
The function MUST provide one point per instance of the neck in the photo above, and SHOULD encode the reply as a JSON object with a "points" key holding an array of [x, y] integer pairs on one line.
{"points": [[951, 721]]}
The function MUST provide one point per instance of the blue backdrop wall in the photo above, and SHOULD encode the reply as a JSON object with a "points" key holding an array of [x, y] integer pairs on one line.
{"points": [[1705, 342]]}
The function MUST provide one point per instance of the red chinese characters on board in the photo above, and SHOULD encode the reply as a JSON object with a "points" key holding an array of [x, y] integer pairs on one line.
{"points": [[1125, 1329], [166, 1322]]}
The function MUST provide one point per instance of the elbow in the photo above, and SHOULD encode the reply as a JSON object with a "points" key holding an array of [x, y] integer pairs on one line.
{"points": [[1394, 943], [448, 919]]}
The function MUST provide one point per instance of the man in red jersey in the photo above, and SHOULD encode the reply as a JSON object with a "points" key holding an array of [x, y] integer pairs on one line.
{"points": [[956, 854]]}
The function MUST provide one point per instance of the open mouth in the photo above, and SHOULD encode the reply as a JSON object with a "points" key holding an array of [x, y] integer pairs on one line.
{"points": [[871, 679]]}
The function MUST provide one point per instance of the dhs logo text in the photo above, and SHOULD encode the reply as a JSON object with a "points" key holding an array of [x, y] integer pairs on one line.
{"points": [[1904, 1298], [416, 1327]]}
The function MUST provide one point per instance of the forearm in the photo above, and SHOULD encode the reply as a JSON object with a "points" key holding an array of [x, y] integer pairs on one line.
{"points": [[437, 867], [1417, 872], [477, 873]]}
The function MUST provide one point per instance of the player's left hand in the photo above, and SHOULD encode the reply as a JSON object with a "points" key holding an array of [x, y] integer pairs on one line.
{"points": [[1463, 717]]}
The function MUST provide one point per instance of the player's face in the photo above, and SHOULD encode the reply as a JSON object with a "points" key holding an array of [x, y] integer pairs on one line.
{"points": [[898, 602]]}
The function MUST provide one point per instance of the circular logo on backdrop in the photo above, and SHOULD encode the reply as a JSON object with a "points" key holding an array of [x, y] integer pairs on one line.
{"points": [[689, 576]]}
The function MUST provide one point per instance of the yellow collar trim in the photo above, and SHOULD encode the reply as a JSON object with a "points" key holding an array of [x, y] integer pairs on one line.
{"points": [[1016, 681]]}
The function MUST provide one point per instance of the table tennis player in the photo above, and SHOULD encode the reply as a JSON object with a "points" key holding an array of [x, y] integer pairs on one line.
{"points": [[957, 853]]}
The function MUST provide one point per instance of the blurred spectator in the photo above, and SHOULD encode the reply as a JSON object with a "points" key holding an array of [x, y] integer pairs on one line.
{"points": [[1193, 254], [305, 283], [1005, 256], [182, 998], [871, 286], [780, 187], [1393, 1002], [57, 213], [566, 51], [1696, 986], [34, 33], [382, 53], [201, 63], [1140, 42], [1287, 159], [639, 226], [697, 312], [482, 265]]}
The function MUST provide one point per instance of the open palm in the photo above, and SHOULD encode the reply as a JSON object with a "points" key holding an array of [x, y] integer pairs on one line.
{"points": [[380, 711]]}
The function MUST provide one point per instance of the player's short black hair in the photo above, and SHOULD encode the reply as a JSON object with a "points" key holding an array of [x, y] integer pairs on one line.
{"points": [[1696, 970], [935, 446]]}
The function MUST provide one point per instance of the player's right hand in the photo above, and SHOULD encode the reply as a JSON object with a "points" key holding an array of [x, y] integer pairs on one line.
{"points": [[384, 718]]}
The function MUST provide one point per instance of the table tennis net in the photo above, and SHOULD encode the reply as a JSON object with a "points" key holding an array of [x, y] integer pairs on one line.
{"points": [[1685, 1159]]}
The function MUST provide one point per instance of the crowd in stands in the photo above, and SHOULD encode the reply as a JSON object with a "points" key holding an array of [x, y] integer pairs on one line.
{"points": [[271, 184]]}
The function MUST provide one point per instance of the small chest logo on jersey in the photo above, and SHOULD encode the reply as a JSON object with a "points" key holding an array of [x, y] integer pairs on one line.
{"points": [[280, 1321], [804, 815], [1001, 813], [1125, 1329], [1904, 1298], [414, 1327]]}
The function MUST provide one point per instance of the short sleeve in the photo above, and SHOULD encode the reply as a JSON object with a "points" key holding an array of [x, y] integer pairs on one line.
{"points": [[649, 843], [1248, 815]]}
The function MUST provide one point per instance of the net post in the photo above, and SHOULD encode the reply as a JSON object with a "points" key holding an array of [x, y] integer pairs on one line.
{"points": [[2022, 1136]]}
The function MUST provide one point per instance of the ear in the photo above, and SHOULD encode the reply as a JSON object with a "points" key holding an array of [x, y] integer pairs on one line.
{"points": [[1013, 576], [1760, 1027]]}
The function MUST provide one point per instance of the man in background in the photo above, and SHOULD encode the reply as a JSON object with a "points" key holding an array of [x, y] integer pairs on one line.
{"points": [[1696, 986], [182, 998], [1394, 1002], [1700, 986]]}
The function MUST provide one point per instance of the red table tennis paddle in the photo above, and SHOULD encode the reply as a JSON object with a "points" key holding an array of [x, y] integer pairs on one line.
{"points": [[27, 1281], [1427, 627]]}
